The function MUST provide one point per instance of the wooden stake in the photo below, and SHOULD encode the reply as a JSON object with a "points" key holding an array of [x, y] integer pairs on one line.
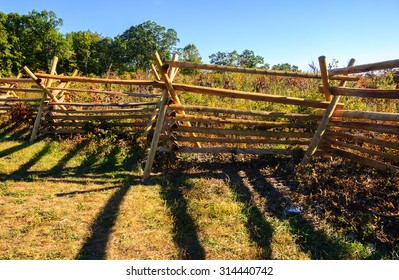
{"points": [[154, 71], [15, 80], [241, 132], [204, 109], [164, 100], [376, 116], [366, 92], [253, 151], [156, 136], [172, 71], [328, 114], [171, 90], [53, 71], [100, 80], [42, 101], [251, 95], [148, 126], [155, 112], [324, 77], [166, 79]]}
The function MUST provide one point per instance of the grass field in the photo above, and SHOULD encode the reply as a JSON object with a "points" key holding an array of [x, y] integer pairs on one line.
{"points": [[83, 198]]}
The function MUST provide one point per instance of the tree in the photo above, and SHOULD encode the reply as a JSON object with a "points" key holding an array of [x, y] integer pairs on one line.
{"points": [[34, 39], [285, 67], [250, 60], [5, 47], [189, 53], [246, 59], [224, 58], [138, 42], [85, 54], [12, 58], [105, 50]]}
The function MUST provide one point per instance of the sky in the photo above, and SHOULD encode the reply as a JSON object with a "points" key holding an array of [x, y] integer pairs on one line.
{"points": [[281, 31]]}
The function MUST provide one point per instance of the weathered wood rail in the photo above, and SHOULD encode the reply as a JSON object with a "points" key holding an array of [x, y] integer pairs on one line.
{"points": [[12, 91]]}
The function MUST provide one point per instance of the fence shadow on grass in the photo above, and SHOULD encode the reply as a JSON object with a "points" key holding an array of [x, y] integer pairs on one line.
{"points": [[312, 241], [58, 169], [22, 171], [185, 234], [13, 149], [260, 230], [254, 184], [95, 245], [14, 131]]}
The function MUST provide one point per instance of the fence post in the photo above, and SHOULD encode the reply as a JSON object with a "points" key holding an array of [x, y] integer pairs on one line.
{"points": [[172, 71], [155, 113], [42, 101], [154, 71], [170, 88], [329, 111], [159, 124]]}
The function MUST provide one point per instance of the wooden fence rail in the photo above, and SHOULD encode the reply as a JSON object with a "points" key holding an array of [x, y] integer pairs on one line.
{"points": [[10, 91], [212, 67], [366, 67]]}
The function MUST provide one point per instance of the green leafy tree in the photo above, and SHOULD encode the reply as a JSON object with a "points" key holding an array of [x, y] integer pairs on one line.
{"points": [[5, 48], [285, 67], [12, 57], [246, 59], [189, 53], [34, 39], [138, 42], [250, 60], [224, 58], [105, 50], [85, 55]]}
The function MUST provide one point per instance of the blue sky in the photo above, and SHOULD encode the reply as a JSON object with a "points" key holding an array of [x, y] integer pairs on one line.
{"points": [[281, 31]]}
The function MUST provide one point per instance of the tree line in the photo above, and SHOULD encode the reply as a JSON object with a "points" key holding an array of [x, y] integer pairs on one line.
{"points": [[34, 38]]}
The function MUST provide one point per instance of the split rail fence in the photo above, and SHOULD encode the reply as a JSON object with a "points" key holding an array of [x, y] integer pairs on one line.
{"points": [[112, 104], [370, 138], [154, 106]]}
